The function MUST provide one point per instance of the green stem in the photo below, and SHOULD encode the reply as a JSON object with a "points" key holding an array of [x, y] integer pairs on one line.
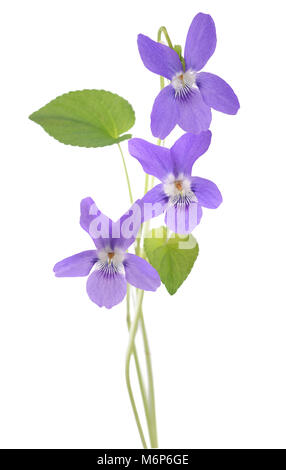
{"points": [[126, 174], [153, 434], [161, 30], [149, 404], [151, 419], [130, 350], [137, 365], [138, 242], [133, 349], [146, 183]]}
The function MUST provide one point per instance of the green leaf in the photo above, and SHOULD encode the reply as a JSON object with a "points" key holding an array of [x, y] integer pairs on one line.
{"points": [[172, 257], [87, 118]]}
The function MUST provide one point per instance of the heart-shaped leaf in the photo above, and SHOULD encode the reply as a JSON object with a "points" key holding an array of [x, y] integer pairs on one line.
{"points": [[172, 257], [87, 118]]}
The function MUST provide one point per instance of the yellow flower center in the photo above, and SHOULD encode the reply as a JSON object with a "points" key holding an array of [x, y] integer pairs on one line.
{"points": [[179, 185]]}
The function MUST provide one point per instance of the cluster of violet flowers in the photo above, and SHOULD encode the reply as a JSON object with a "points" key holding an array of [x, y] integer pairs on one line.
{"points": [[186, 101]]}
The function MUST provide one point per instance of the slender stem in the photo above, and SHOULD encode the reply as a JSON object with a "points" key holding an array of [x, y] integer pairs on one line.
{"points": [[151, 419], [138, 242], [133, 349], [146, 183], [138, 368], [130, 350], [137, 365], [149, 404], [161, 30], [126, 174], [153, 436]]}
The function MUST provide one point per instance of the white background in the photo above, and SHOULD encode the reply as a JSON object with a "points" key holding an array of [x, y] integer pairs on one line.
{"points": [[218, 345]]}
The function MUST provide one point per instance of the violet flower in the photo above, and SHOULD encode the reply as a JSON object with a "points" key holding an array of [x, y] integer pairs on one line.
{"points": [[113, 267], [180, 194], [188, 99]]}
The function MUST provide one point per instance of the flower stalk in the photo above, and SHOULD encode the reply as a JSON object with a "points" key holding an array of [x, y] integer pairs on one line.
{"points": [[149, 406], [130, 351], [153, 425], [126, 173], [148, 401], [161, 30]]}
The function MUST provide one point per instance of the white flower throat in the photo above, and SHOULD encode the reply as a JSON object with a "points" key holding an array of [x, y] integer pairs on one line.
{"points": [[182, 83], [110, 261], [178, 189]]}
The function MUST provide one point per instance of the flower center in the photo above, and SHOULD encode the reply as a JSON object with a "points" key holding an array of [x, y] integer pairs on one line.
{"points": [[179, 190], [110, 261], [183, 82], [179, 185], [110, 256]]}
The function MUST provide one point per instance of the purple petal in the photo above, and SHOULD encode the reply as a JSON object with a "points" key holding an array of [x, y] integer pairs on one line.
{"points": [[85, 213], [76, 265], [158, 58], [194, 115], [164, 114], [139, 273], [154, 202], [188, 149], [104, 231], [207, 192], [183, 219], [95, 222], [201, 42], [217, 93], [154, 159], [125, 230], [106, 290]]}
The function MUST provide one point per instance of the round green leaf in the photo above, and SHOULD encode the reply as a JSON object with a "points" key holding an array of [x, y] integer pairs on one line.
{"points": [[87, 118], [172, 257]]}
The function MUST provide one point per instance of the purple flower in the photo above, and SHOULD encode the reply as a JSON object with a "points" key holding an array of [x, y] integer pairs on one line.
{"points": [[180, 194], [113, 267], [188, 99]]}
